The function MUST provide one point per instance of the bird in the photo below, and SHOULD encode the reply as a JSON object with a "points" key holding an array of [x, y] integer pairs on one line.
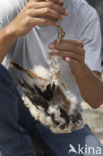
{"points": [[46, 97]]}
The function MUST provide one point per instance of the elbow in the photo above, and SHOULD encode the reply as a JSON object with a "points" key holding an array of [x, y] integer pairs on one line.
{"points": [[94, 101], [95, 105]]}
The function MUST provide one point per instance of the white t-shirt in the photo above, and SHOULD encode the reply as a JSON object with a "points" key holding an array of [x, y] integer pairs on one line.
{"points": [[32, 49]]}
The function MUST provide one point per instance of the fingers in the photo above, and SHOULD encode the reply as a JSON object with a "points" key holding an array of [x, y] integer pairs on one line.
{"points": [[57, 1], [74, 41], [42, 21], [45, 12], [68, 45], [66, 54], [77, 42], [75, 66], [72, 49], [50, 5], [59, 9], [71, 61]]}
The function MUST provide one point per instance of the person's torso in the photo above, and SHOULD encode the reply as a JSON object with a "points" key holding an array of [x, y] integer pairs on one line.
{"points": [[32, 49]]}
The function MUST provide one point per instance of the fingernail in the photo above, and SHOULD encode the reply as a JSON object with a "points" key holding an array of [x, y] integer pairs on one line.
{"points": [[51, 46], [67, 59], [66, 13]]}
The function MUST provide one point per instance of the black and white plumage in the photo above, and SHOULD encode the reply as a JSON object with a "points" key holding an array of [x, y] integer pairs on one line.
{"points": [[48, 99]]}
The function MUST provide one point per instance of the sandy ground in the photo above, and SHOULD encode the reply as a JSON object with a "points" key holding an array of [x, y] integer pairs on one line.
{"points": [[94, 118]]}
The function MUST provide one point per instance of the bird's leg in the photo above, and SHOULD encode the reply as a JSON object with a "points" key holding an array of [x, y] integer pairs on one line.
{"points": [[55, 61], [61, 33]]}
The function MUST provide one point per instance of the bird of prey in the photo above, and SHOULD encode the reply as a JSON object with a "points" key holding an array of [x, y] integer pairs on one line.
{"points": [[48, 98]]}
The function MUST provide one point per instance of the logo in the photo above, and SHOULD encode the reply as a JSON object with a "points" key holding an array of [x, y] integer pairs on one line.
{"points": [[72, 149], [85, 150]]}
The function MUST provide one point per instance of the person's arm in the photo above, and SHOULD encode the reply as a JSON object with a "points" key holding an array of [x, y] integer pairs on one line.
{"points": [[90, 85], [34, 13], [7, 39], [83, 54], [88, 81]]}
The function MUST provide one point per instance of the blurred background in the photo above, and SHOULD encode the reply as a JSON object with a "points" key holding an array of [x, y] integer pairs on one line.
{"points": [[94, 118]]}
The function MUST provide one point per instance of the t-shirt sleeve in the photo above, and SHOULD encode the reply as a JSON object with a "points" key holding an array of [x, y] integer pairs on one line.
{"points": [[90, 34]]}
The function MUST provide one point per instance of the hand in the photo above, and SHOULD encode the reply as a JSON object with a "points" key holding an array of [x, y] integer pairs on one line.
{"points": [[72, 52], [55, 1], [37, 13]]}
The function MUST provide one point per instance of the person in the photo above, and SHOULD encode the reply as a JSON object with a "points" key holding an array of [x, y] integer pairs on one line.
{"points": [[26, 29], [15, 135]]}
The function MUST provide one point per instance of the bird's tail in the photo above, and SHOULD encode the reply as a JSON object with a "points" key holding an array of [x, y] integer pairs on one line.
{"points": [[26, 71]]}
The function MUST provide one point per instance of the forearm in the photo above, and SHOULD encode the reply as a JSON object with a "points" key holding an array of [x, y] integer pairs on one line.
{"points": [[7, 39], [90, 86]]}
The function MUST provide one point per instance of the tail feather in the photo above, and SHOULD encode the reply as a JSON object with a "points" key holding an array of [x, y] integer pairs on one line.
{"points": [[16, 66], [28, 72]]}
